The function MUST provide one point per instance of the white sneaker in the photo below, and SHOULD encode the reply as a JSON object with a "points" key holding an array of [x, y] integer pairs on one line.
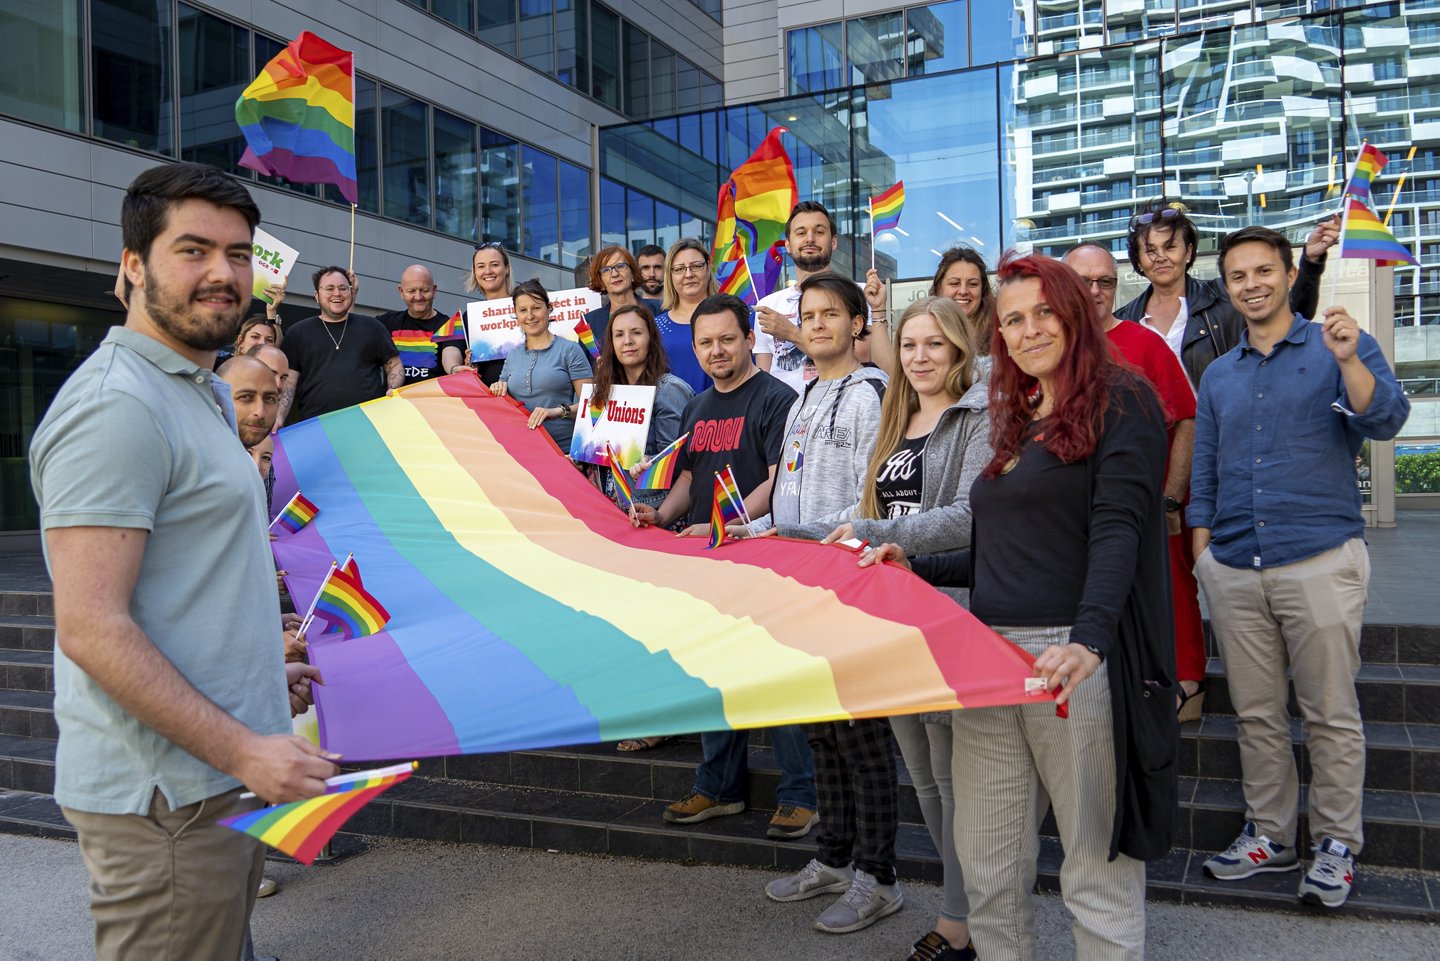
{"points": [[866, 902], [813, 879], [1251, 854], [1330, 878]]}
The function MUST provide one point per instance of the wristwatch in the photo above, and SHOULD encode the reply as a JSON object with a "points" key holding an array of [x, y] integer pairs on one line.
{"points": [[1171, 504]]}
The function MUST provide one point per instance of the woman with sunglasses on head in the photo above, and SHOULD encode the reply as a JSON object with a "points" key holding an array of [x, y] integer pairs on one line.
{"points": [[546, 372], [688, 281], [489, 276], [614, 273], [962, 277], [1194, 316]]}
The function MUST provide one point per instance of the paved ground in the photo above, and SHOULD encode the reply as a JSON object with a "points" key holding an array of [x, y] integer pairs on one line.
{"points": [[439, 902]]}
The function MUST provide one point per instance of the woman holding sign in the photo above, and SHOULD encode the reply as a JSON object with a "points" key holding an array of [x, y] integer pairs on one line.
{"points": [[631, 354], [687, 282], [547, 373], [489, 276]]}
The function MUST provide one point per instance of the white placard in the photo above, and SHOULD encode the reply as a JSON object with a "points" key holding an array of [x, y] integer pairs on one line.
{"points": [[624, 424], [493, 331], [273, 259]]}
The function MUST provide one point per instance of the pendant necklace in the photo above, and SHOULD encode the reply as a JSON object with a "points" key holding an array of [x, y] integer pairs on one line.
{"points": [[337, 343]]}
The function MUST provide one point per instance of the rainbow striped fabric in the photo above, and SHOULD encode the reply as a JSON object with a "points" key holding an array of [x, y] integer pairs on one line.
{"points": [[296, 514], [719, 514], [452, 329], [347, 607], [774, 267], [734, 506], [1364, 237], [298, 116], [1367, 168], [301, 829], [765, 192], [885, 208], [620, 475], [660, 475], [724, 224], [734, 277], [417, 347], [587, 339], [513, 585]]}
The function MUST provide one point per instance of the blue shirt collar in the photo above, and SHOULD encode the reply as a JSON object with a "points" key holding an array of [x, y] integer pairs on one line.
{"points": [[1299, 332]]}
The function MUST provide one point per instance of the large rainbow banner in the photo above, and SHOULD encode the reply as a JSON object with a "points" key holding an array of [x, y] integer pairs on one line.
{"points": [[526, 611]]}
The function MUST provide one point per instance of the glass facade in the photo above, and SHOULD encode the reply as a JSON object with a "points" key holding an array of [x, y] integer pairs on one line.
{"points": [[41, 75]]}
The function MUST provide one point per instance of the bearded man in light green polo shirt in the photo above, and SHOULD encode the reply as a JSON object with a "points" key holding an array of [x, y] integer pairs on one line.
{"points": [[171, 688]]}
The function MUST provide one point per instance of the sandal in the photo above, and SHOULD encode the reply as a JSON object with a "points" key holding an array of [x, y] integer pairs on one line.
{"points": [[1191, 706], [631, 744]]}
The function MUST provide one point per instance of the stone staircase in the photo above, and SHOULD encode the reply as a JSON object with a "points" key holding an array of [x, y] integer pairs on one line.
{"points": [[593, 799]]}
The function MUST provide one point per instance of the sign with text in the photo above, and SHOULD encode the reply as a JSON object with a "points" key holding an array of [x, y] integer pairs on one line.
{"points": [[273, 259], [494, 332], [624, 423]]}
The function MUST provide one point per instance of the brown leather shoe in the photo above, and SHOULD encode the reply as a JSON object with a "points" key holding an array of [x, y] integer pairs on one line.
{"points": [[695, 807], [792, 822]]}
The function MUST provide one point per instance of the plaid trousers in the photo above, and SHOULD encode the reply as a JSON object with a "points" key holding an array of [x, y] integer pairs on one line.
{"points": [[857, 789]]}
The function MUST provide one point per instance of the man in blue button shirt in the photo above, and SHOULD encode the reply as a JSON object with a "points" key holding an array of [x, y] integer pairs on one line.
{"points": [[1281, 556]]}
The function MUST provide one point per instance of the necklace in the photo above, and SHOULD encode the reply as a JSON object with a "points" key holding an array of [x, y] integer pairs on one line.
{"points": [[326, 324]]}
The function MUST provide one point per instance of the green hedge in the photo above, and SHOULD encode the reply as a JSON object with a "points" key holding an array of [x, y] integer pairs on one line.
{"points": [[1417, 473]]}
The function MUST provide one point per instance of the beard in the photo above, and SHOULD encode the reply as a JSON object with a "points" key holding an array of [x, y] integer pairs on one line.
{"points": [[172, 312], [252, 434], [653, 287], [812, 265]]}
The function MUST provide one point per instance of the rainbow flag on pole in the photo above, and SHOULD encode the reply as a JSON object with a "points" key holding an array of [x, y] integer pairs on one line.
{"points": [[345, 605], [720, 514], [765, 193], [736, 510], [620, 475], [298, 116], [296, 513], [515, 626], [1367, 169], [587, 339], [301, 829], [1364, 237], [660, 474], [452, 329], [885, 208], [734, 276]]}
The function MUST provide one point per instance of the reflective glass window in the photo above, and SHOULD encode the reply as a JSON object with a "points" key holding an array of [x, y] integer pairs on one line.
{"points": [[457, 205], [605, 57], [998, 30], [662, 78], [639, 219], [214, 69], [574, 214], [499, 189], [42, 74], [667, 225], [540, 239], [937, 37], [537, 34], [637, 71], [816, 58], [458, 12], [131, 83], [495, 24], [612, 213], [572, 43], [712, 94], [873, 47], [405, 150], [687, 85], [367, 149], [1137, 19]]}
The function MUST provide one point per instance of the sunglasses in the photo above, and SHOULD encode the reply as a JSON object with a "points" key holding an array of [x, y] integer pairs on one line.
{"points": [[489, 245], [1150, 216]]}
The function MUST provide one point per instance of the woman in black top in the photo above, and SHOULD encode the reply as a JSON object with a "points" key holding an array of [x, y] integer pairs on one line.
{"points": [[1068, 561]]}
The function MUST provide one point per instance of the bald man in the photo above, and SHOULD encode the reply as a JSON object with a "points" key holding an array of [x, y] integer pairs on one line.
{"points": [[274, 358], [256, 397], [412, 329]]}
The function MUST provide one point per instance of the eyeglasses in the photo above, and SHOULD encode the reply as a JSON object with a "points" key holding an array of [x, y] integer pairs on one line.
{"points": [[1104, 283], [333, 289], [680, 270], [1150, 216], [614, 268]]}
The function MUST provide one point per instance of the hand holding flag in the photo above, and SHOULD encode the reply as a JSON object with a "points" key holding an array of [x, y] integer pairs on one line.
{"points": [[659, 474]]}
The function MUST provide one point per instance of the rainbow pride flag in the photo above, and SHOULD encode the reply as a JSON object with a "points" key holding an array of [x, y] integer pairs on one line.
{"points": [[513, 585], [734, 277], [765, 192], [1367, 169], [774, 267], [735, 503], [295, 514], [724, 225], [587, 339], [885, 208], [720, 510], [417, 347], [660, 474], [620, 475], [1364, 237], [345, 604], [298, 116], [301, 829], [452, 329]]}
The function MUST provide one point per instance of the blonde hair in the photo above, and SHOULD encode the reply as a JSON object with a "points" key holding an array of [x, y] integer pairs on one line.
{"points": [[672, 296], [901, 402]]}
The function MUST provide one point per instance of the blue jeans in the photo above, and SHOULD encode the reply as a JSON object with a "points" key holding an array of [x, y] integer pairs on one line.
{"points": [[721, 776]]}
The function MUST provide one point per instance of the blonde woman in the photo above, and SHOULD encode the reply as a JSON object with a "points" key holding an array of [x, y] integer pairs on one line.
{"points": [[688, 281], [489, 276]]}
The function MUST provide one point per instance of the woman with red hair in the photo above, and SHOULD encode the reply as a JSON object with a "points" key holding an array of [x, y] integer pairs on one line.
{"points": [[1068, 561]]}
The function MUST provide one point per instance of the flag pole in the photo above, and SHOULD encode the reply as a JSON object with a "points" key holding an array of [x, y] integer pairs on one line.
{"points": [[283, 510], [1396, 195], [871, 208], [352, 240], [310, 613]]}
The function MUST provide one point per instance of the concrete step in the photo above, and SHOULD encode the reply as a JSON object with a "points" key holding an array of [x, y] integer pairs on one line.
{"points": [[27, 602], [27, 764], [28, 713], [27, 632], [27, 670], [1387, 692]]}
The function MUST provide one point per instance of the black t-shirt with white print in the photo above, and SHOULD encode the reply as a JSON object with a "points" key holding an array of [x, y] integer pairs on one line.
{"points": [[898, 483]]}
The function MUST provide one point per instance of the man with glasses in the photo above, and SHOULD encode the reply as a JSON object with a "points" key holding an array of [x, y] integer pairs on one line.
{"points": [[1148, 351], [339, 358], [412, 329]]}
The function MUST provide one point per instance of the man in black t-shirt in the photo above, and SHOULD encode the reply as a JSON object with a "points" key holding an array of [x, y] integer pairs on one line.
{"points": [[740, 422], [411, 330], [339, 358]]}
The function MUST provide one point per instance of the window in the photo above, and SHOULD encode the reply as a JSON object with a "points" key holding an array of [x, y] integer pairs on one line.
{"points": [[405, 147], [458, 12], [495, 24], [574, 214], [42, 73], [540, 239], [998, 31], [499, 189], [662, 78], [572, 43], [131, 83], [936, 38], [817, 58], [612, 213], [214, 69], [537, 34], [873, 47], [687, 85], [456, 169], [605, 57], [637, 71], [639, 219]]}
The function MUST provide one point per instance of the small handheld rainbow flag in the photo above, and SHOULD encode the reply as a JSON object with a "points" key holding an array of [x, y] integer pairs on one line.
{"points": [[295, 514], [659, 474], [737, 509], [734, 277], [621, 476], [452, 329], [302, 828], [587, 339], [1367, 168], [1364, 237], [345, 605], [718, 510], [885, 208]]}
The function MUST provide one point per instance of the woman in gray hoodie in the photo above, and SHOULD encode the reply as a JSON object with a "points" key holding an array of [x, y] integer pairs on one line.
{"points": [[933, 441]]}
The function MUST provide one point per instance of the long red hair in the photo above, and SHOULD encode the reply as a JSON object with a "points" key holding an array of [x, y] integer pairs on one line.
{"points": [[1082, 383]]}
